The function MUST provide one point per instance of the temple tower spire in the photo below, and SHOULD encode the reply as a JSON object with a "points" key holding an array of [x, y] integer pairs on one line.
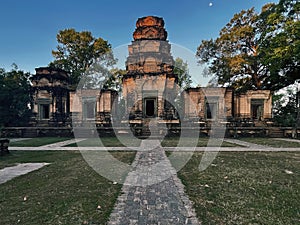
{"points": [[150, 82]]}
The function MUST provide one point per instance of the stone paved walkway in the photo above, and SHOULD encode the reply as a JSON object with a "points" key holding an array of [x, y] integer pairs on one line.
{"points": [[152, 192], [9, 173]]}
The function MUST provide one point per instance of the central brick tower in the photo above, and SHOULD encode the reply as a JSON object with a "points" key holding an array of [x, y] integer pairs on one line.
{"points": [[150, 85]]}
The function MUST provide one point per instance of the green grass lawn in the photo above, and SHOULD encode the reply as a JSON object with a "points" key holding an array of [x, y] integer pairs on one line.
{"points": [[36, 142], [238, 188], [272, 142], [66, 192], [190, 142], [107, 142], [245, 188]]}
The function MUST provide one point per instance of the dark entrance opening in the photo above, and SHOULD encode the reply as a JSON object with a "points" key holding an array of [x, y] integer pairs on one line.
{"points": [[45, 111], [89, 109], [211, 110], [257, 108], [150, 107]]}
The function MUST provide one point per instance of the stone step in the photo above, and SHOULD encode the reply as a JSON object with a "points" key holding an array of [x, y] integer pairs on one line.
{"points": [[153, 133], [276, 133], [30, 133], [84, 132]]}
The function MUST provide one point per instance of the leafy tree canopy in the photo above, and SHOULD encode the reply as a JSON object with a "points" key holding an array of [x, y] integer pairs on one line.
{"points": [[285, 108], [256, 50], [182, 70], [77, 51], [15, 97], [115, 79], [281, 48]]}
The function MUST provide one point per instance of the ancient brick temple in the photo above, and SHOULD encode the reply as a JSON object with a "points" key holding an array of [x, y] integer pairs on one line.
{"points": [[149, 90], [51, 97], [150, 85]]}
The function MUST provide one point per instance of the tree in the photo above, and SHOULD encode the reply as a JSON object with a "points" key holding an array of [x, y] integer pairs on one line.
{"points": [[182, 70], [114, 81], [233, 56], [15, 97], [242, 56], [282, 44], [285, 108], [77, 51]]}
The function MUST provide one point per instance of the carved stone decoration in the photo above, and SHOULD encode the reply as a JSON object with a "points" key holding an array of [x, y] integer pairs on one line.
{"points": [[150, 28]]}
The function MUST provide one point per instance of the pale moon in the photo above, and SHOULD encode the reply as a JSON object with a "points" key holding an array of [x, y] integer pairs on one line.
{"points": [[210, 4]]}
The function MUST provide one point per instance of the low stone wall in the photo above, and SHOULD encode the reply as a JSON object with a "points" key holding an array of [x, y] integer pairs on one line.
{"points": [[29, 132], [274, 132]]}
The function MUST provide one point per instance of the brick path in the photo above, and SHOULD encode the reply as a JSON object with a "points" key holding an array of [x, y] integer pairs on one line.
{"points": [[152, 193]]}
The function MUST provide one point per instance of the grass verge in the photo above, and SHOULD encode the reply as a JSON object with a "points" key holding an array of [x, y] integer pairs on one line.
{"points": [[167, 142], [191, 142], [66, 192], [245, 188], [107, 142], [36, 142], [271, 142]]}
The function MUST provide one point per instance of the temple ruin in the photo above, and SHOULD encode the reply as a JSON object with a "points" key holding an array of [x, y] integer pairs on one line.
{"points": [[51, 97], [149, 92]]}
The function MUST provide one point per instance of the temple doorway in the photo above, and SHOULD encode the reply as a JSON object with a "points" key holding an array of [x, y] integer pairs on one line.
{"points": [[150, 107], [257, 109], [89, 108], [211, 110], [44, 112]]}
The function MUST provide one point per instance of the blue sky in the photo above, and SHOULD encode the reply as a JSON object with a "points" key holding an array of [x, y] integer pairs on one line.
{"points": [[29, 28]]}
